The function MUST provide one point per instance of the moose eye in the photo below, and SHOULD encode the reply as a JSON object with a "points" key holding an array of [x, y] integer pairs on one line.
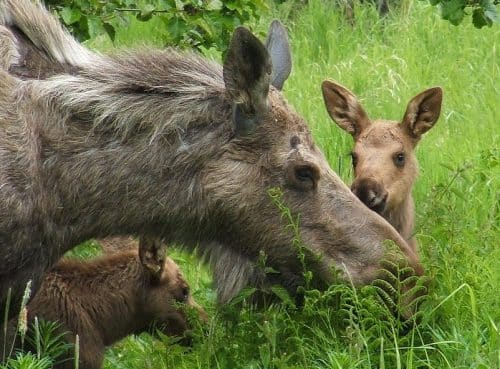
{"points": [[305, 177], [302, 176], [185, 294], [354, 158], [399, 159]]}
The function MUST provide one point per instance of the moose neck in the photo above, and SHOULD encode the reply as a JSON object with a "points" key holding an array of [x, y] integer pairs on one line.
{"points": [[114, 134], [402, 218]]}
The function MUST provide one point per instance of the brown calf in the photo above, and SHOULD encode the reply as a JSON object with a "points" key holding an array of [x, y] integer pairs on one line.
{"points": [[106, 299], [383, 158]]}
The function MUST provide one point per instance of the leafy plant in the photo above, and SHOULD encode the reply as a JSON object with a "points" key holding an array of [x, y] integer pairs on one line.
{"points": [[484, 12], [27, 361], [187, 23], [48, 340], [89, 18], [41, 345]]}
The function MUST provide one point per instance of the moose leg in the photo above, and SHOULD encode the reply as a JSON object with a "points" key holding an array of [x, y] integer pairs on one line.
{"points": [[383, 7], [91, 354], [348, 7], [14, 284]]}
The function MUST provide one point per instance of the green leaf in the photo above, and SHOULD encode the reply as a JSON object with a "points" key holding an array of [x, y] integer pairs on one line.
{"points": [[214, 5], [458, 193], [490, 11], [146, 13], [176, 28], [243, 295], [95, 26], [205, 26], [270, 270], [282, 294], [70, 15], [449, 167], [231, 5], [453, 11], [110, 30]]}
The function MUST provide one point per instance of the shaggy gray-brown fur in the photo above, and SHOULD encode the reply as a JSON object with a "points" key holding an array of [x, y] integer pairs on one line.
{"points": [[177, 147]]}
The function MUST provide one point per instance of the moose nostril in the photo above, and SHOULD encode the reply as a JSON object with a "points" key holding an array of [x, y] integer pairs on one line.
{"points": [[372, 197], [371, 193]]}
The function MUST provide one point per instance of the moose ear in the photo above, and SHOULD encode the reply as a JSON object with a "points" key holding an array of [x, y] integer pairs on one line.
{"points": [[279, 48], [247, 75], [344, 108], [152, 256], [422, 112]]}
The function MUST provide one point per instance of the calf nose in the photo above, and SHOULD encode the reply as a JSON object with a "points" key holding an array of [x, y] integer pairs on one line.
{"points": [[371, 193]]}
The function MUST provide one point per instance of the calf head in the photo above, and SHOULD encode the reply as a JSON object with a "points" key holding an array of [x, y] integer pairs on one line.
{"points": [[383, 156], [167, 297]]}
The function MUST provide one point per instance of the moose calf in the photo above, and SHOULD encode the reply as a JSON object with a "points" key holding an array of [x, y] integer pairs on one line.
{"points": [[108, 298], [383, 158]]}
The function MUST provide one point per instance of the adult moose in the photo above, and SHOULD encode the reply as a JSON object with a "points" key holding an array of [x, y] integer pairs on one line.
{"points": [[383, 157], [170, 145]]}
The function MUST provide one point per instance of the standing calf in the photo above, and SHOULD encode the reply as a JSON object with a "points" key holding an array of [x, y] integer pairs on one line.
{"points": [[383, 158], [174, 146], [108, 298]]}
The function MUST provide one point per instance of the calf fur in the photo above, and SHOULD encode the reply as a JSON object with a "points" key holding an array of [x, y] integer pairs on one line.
{"points": [[106, 299]]}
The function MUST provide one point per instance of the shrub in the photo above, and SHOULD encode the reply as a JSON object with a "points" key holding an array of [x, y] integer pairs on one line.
{"points": [[188, 23]]}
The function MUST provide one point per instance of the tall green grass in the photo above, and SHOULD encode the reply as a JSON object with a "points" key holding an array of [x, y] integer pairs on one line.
{"points": [[385, 63], [457, 194]]}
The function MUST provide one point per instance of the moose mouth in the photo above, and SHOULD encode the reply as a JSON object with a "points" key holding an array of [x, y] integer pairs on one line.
{"points": [[377, 203], [371, 193]]}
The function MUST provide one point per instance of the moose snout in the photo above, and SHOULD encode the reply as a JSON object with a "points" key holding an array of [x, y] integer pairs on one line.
{"points": [[371, 193]]}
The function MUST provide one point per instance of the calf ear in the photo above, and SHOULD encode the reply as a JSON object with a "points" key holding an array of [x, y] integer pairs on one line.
{"points": [[247, 75], [422, 112], [344, 108], [279, 48], [152, 256]]}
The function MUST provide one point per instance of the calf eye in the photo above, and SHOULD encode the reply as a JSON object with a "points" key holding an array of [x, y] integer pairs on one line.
{"points": [[354, 158], [185, 294], [399, 159]]}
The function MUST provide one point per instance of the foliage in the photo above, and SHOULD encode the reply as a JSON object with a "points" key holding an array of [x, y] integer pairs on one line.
{"points": [[43, 344], [186, 23], [90, 18], [48, 339], [27, 360], [484, 12]]}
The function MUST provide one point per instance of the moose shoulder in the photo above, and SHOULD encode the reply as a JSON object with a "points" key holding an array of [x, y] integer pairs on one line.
{"points": [[175, 146]]}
